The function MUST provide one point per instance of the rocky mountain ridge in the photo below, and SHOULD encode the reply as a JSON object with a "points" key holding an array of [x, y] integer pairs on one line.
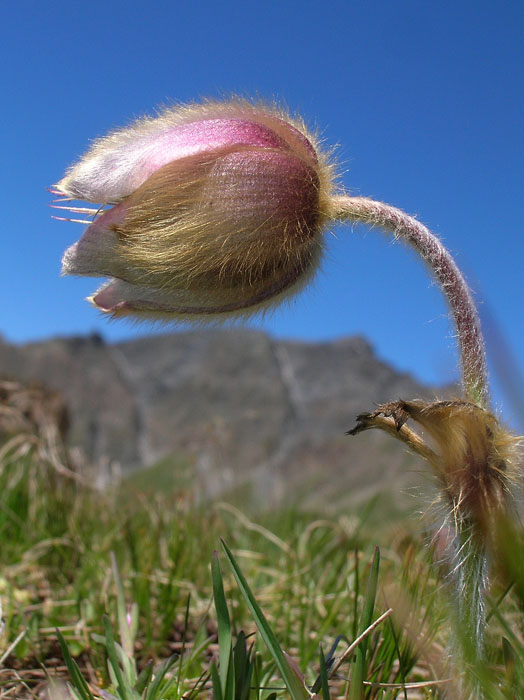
{"points": [[237, 404]]}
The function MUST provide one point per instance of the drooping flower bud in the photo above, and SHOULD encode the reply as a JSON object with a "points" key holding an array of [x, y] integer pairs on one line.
{"points": [[218, 209]]}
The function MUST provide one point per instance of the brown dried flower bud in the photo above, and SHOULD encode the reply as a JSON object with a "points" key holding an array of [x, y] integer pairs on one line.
{"points": [[473, 456]]}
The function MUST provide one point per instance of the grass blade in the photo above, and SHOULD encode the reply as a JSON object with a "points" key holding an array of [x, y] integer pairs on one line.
{"points": [[123, 687], [324, 676], [243, 664], [329, 662], [77, 678], [356, 690], [123, 626], [184, 639], [225, 644], [160, 675], [296, 688], [216, 682], [144, 679]]}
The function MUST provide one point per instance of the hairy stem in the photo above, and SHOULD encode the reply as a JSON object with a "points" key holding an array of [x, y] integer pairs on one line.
{"points": [[470, 580], [449, 277]]}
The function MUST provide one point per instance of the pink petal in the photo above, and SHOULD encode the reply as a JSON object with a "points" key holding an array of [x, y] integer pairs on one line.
{"points": [[96, 253], [123, 298], [118, 164]]}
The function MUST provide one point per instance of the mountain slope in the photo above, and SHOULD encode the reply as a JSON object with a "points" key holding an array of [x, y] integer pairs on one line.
{"points": [[239, 405]]}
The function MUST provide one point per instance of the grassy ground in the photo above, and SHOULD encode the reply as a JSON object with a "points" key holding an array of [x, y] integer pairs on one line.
{"points": [[123, 582]]}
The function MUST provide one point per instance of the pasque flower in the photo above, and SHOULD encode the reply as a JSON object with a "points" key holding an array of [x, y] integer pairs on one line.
{"points": [[219, 209], [216, 209]]}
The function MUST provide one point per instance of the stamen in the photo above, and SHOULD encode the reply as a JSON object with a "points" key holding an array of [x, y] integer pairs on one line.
{"points": [[75, 221], [55, 191], [78, 210]]}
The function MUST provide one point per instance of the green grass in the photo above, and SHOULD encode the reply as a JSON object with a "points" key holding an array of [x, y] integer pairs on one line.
{"points": [[131, 594]]}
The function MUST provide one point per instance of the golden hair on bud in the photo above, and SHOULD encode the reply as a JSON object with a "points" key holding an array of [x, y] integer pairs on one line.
{"points": [[474, 457], [220, 210]]}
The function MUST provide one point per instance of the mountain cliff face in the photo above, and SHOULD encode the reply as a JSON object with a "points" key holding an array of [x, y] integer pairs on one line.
{"points": [[240, 406]]}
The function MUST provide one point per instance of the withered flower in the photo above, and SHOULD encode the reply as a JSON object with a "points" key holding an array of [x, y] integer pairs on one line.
{"points": [[472, 455]]}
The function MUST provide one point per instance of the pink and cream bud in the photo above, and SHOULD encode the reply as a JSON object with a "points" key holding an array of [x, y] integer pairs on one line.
{"points": [[218, 210]]}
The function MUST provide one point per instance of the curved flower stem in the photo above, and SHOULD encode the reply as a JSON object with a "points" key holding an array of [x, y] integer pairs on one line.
{"points": [[452, 283], [467, 552]]}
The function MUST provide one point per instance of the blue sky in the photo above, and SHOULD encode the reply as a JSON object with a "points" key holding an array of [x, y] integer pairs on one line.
{"points": [[425, 101]]}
